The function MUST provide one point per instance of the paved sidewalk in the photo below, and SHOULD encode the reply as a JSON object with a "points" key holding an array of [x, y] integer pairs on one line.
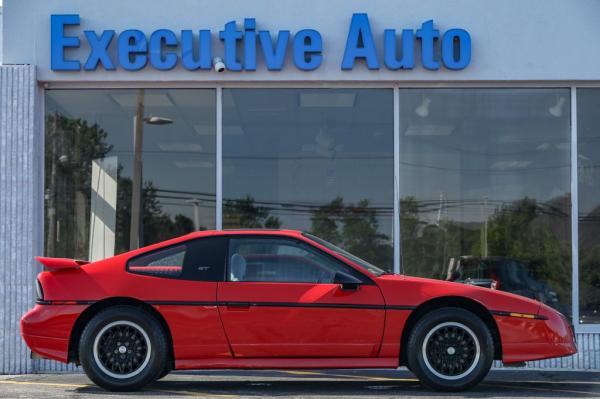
{"points": [[309, 384]]}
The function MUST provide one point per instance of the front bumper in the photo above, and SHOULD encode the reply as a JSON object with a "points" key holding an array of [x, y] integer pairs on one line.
{"points": [[536, 339]]}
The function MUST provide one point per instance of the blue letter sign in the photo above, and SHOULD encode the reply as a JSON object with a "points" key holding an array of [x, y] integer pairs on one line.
{"points": [[192, 50], [59, 41]]}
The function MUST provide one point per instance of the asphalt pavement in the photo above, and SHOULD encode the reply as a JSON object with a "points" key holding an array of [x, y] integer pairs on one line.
{"points": [[309, 384]]}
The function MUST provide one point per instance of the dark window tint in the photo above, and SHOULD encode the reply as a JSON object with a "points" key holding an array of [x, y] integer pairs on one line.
{"points": [[277, 260], [200, 260], [205, 259]]}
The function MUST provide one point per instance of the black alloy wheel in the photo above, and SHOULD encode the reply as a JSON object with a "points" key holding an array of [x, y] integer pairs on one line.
{"points": [[450, 349], [123, 348]]}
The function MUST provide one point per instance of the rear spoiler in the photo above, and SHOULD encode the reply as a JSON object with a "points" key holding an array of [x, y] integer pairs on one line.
{"points": [[57, 264]]}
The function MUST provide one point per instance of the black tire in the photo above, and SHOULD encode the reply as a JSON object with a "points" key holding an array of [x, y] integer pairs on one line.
{"points": [[165, 372], [130, 367], [450, 349]]}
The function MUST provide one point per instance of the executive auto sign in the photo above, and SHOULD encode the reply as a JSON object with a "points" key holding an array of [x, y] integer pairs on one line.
{"points": [[164, 49]]}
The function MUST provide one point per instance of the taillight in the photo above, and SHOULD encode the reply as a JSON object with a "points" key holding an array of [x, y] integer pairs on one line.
{"points": [[39, 292]]}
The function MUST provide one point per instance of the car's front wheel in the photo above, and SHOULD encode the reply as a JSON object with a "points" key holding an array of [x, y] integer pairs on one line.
{"points": [[123, 348], [450, 349]]}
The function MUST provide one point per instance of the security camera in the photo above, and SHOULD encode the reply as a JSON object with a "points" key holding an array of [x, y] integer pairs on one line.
{"points": [[218, 64]]}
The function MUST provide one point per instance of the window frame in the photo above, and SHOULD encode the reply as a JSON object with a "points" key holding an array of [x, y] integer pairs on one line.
{"points": [[365, 280]]}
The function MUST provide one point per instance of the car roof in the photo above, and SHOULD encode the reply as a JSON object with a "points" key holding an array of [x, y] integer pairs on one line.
{"points": [[257, 232]]}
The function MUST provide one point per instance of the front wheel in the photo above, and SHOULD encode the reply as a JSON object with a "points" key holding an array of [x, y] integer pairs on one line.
{"points": [[123, 348], [450, 349]]}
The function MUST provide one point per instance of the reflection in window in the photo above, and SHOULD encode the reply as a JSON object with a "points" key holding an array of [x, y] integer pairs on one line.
{"points": [[166, 262], [126, 168], [588, 147], [285, 261], [485, 189], [319, 160]]}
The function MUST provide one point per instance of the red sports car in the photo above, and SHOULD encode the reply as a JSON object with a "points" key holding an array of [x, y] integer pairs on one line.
{"points": [[280, 299]]}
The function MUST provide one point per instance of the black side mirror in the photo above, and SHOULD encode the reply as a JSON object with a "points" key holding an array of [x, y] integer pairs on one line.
{"points": [[346, 281]]}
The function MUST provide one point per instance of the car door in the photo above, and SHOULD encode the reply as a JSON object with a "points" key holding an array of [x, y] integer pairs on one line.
{"points": [[280, 300]]}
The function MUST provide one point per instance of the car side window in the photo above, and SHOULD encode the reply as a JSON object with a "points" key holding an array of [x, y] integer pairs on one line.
{"points": [[166, 262], [201, 259], [282, 260]]}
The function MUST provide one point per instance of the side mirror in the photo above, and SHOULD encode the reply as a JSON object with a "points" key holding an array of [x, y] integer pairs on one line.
{"points": [[346, 281]]}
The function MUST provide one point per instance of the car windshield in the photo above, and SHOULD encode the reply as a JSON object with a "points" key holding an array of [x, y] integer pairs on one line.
{"points": [[361, 262]]}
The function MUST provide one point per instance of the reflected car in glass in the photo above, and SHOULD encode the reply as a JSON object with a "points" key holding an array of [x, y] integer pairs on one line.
{"points": [[506, 274], [275, 299]]}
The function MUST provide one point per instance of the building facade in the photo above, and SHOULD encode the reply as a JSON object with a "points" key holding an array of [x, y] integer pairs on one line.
{"points": [[456, 140]]}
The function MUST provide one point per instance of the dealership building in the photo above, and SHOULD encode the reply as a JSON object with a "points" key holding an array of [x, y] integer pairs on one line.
{"points": [[456, 140]]}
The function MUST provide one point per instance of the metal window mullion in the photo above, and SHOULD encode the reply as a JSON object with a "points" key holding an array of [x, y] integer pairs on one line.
{"points": [[219, 161], [396, 225], [574, 212]]}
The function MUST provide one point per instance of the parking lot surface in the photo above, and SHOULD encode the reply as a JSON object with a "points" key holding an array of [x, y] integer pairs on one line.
{"points": [[308, 384]]}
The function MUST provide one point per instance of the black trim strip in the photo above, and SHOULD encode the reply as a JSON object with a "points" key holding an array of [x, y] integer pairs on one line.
{"points": [[249, 304], [64, 302], [400, 307], [276, 304], [509, 314], [183, 303], [316, 305]]}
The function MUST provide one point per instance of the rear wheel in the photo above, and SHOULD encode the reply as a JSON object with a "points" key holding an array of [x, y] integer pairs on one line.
{"points": [[123, 348], [165, 372], [450, 349]]}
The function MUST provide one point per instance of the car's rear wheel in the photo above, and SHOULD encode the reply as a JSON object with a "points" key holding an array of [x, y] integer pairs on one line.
{"points": [[123, 348], [165, 372], [450, 349]]}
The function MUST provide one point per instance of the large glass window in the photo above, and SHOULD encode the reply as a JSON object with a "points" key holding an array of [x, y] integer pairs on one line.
{"points": [[319, 160], [588, 148], [126, 168], [485, 189]]}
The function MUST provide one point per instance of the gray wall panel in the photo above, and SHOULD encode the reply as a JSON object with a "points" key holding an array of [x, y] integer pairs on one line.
{"points": [[19, 207]]}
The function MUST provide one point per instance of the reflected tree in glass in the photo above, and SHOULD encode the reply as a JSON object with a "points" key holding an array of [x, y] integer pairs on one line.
{"points": [[72, 144]]}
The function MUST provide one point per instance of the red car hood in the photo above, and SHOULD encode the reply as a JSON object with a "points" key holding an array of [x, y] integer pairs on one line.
{"points": [[413, 291]]}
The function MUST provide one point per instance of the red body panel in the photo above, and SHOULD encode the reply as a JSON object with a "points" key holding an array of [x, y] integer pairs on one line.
{"points": [[278, 325], [286, 330]]}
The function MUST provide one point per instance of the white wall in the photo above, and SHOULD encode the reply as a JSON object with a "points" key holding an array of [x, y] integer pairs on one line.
{"points": [[512, 39]]}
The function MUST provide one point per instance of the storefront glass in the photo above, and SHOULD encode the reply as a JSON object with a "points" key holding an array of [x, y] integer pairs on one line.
{"points": [[92, 173], [485, 189], [588, 148], [320, 160], [484, 177]]}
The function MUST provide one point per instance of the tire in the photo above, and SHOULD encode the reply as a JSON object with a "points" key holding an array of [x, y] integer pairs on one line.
{"points": [[450, 349], [108, 355], [165, 372]]}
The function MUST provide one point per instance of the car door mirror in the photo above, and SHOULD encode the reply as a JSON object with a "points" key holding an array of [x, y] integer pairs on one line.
{"points": [[346, 281]]}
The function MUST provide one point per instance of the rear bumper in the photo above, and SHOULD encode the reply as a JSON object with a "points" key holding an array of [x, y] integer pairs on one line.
{"points": [[47, 347], [46, 329]]}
